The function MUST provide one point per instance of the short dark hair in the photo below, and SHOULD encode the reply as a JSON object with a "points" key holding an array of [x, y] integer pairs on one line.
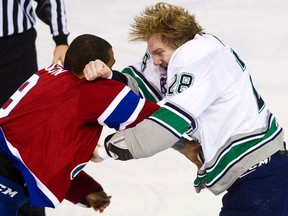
{"points": [[83, 49]]}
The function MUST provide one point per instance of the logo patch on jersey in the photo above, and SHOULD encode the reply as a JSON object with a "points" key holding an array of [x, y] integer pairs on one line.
{"points": [[76, 170], [253, 168], [7, 191]]}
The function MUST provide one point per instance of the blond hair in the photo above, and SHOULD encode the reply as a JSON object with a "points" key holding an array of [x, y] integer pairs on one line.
{"points": [[174, 24]]}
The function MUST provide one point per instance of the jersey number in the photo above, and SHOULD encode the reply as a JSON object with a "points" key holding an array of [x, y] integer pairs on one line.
{"points": [[18, 95], [260, 102], [184, 81]]}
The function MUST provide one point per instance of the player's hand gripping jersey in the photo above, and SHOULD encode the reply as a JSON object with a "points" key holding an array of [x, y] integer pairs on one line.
{"points": [[51, 125], [231, 121]]}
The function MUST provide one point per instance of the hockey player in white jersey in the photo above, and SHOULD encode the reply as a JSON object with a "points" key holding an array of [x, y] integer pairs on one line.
{"points": [[243, 145]]}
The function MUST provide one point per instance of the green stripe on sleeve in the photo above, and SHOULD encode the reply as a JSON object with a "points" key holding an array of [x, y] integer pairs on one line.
{"points": [[141, 84], [171, 119]]}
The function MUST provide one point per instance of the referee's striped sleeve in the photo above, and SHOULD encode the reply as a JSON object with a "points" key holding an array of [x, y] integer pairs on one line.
{"points": [[18, 16]]}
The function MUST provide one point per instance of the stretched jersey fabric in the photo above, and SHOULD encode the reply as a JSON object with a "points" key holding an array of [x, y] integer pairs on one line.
{"points": [[151, 79], [232, 122], [51, 125]]}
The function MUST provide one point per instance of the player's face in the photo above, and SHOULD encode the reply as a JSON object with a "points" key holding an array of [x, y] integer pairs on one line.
{"points": [[111, 61], [160, 51]]}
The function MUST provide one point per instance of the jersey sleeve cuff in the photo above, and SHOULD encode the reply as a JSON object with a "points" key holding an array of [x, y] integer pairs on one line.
{"points": [[61, 39], [81, 186]]}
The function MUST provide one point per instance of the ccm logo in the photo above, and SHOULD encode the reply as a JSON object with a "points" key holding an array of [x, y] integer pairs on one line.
{"points": [[7, 191]]}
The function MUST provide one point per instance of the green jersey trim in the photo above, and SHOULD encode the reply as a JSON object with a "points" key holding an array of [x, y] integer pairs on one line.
{"points": [[144, 88], [172, 119], [236, 151]]}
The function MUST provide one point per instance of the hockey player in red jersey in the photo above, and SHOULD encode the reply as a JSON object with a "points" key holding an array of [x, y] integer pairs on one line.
{"points": [[50, 127], [32, 152]]}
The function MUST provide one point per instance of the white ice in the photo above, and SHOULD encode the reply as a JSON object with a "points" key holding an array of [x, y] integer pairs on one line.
{"points": [[163, 184]]}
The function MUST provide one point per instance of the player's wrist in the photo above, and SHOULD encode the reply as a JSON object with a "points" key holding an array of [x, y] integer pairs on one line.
{"points": [[99, 154], [103, 153]]}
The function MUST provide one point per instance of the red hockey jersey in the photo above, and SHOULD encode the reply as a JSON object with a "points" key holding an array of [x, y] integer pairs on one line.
{"points": [[51, 125]]}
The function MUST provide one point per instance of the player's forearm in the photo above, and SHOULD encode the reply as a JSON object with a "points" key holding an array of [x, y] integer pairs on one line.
{"points": [[148, 138], [53, 14], [144, 140], [158, 132]]}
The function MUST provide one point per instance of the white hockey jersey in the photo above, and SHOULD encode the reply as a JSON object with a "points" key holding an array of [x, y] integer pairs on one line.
{"points": [[232, 122], [230, 119]]}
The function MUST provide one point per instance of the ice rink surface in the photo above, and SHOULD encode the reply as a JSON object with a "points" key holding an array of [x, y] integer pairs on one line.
{"points": [[163, 184]]}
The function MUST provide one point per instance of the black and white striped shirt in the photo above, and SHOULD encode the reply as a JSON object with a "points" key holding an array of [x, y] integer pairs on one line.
{"points": [[18, 16]]}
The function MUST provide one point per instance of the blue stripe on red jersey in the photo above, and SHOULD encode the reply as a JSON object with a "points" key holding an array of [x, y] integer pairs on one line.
{"points": [[41, 195], [123, 110]]}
